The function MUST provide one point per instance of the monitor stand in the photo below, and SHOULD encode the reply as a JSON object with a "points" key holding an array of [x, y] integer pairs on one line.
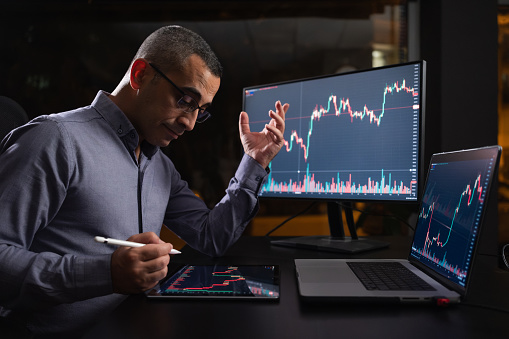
{"points": [[337, 241]]}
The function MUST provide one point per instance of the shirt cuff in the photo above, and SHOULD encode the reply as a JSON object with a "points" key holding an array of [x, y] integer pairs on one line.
{"points": [[93, 276], [251, 174]]}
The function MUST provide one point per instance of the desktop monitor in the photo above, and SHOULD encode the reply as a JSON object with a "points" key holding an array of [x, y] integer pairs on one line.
{"points": [[349, 137]]}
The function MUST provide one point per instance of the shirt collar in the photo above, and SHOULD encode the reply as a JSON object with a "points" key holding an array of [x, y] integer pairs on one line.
{"points": [[120, 124]]}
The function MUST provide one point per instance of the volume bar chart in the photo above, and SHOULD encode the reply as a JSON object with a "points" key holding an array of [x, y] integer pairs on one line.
{"points": [[337, 185]]}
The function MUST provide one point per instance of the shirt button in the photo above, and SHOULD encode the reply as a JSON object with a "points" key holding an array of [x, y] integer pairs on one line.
{"points": [[119, 131], [258, 178], [132, 135]]}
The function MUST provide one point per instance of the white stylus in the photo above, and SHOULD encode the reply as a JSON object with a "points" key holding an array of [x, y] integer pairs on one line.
{"points": [[125, 243]]}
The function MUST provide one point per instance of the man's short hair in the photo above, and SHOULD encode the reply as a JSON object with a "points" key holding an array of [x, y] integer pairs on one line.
{"points": [[169, 47]]}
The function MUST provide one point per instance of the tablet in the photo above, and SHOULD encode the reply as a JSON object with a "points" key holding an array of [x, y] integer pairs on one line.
{"points": [[220, 281]]}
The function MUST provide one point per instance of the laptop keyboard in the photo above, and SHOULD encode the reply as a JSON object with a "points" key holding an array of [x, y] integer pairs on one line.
{"points": [[388, 276]]}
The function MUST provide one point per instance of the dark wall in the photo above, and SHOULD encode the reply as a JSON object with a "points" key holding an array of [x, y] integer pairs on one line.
{"points": [[56, 56], [459, 41], [83, 46]]}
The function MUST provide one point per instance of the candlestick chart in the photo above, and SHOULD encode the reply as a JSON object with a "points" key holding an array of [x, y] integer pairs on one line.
{"points": [[352, 135], [449, 217]]}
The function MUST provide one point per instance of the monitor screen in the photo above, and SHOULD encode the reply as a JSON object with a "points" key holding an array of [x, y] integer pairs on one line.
{"points": [[452, 210], [352, 136]]}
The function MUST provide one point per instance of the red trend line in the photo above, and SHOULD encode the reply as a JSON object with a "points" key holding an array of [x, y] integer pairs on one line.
{"points": [[224, 283], [228, 271], [345, 108]]}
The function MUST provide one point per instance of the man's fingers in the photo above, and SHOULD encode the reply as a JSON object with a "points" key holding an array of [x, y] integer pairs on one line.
{"points": [[137, 269], [276, 133], [145, 238], [244, 123], [153, 251], [157, 264]]}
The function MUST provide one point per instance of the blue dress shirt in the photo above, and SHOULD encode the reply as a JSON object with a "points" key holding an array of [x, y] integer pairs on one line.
{"points": [[67, 177]]}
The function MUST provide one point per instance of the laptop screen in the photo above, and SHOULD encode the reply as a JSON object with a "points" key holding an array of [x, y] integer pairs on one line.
{"points": [[451, 211]]}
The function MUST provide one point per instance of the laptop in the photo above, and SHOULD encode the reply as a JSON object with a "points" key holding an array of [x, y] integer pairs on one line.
{"points": [[447, 231]]}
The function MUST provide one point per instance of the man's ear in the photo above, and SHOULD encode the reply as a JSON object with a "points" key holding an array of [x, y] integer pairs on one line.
{"points": [[138, 70]]}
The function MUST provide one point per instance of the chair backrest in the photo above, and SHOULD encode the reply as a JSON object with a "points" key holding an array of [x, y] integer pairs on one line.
{"points": [[12, 115]]}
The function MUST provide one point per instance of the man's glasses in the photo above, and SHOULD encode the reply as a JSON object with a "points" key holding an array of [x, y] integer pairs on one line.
{"points": [[186, 102]]}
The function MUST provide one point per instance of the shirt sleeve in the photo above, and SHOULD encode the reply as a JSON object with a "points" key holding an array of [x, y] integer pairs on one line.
{"points": [[214, 231], [35, 167]]}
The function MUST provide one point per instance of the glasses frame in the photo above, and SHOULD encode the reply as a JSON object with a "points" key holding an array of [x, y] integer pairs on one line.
{"points": [[188, 106]]}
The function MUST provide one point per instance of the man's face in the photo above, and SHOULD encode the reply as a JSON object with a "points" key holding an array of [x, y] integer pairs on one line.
{"points": [[158, 118]]}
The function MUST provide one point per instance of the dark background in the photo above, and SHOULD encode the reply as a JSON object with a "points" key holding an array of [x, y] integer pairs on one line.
{"points": [[56, 55]]}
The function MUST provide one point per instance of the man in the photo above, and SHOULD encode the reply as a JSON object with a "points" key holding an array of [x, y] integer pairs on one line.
{"points": [[98, 170]]}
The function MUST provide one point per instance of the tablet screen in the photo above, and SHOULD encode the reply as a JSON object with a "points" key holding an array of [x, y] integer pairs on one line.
{"points": [[213, 281]]}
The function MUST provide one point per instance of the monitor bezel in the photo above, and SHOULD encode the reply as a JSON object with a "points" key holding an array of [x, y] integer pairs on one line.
{"points": [[457, 156], [421, 175]]}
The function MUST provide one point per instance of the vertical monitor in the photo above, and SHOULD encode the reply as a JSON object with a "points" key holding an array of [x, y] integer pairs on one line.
{"points": [[352, 136]]}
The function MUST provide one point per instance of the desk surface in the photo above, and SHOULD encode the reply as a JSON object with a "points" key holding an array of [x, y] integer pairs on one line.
{"points": [[483, 314]]}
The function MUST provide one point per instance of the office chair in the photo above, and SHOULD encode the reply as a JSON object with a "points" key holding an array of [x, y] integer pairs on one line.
{"points": [[12, 115]]}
